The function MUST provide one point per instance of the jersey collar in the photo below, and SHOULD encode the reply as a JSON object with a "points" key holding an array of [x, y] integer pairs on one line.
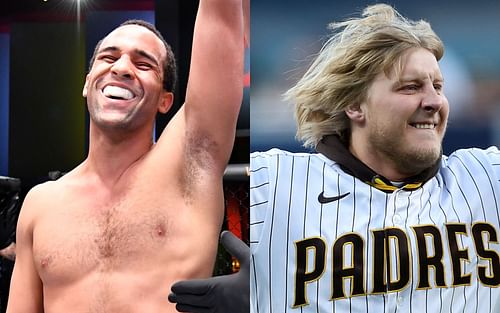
{"points": [[332, 147]]}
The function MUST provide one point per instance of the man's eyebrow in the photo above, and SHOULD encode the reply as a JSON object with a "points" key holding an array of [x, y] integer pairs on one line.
{"points": [[413, 78], [109, 49]]}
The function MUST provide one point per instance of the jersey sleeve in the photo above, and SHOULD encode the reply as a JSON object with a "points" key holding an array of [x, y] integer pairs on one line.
{"points": [[259, 194], [493, 155], [478, 173], [478, 163]]}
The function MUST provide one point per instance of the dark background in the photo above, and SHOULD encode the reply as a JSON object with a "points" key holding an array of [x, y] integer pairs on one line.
{"points": [[45, 47]]}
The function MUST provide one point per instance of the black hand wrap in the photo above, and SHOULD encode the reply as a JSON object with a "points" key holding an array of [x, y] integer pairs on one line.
{"points": [[221, 294]]}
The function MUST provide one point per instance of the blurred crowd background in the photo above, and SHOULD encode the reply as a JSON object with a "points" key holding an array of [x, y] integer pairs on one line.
{"points": [[286, 34]]}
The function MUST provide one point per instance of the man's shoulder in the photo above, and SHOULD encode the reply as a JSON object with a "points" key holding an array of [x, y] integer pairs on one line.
{"points": [[282, 160], [42, 191], [279, 152], [36, 201], [472, 157], [491, 152]]}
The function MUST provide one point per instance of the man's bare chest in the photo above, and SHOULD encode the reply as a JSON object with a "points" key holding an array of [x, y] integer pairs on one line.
{"points": [[75, 238]]}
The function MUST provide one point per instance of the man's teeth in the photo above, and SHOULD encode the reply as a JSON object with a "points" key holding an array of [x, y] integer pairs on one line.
{"points": [[117, 92], [424, 126]]}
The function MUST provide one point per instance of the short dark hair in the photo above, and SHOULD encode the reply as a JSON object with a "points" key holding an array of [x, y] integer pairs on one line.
{"points": [[169, 65]]}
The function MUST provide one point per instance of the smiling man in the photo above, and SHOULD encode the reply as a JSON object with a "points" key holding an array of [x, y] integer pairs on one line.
{"points": [[116, 232], [408, 140], [378, 220]]}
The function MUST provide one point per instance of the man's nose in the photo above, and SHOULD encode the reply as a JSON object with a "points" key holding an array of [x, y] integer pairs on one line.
{"points": [[123, 67], [433, 100]]}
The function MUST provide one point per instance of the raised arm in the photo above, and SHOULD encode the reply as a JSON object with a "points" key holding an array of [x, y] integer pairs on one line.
{"points": [[215, 84], [26, 287]]}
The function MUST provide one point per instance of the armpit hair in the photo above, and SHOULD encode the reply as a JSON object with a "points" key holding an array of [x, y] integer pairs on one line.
{"points": [[199, 159]]}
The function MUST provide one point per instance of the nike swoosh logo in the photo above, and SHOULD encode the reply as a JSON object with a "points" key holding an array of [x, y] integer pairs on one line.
{"points": [[322, 199]]}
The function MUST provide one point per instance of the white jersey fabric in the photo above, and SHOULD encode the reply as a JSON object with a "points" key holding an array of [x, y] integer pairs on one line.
{"points": [[324, 241]]}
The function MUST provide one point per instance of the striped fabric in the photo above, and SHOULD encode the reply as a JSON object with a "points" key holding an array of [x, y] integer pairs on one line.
{"points": [[433, 249]]}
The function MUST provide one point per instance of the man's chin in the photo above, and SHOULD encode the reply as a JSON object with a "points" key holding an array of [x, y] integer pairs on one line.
{"points": [[112, 122], [420, 159]]}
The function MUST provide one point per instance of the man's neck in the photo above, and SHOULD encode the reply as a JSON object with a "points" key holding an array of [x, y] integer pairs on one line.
{"points": [[380, 164], [110, 155], [361, 147], [337, 150]]}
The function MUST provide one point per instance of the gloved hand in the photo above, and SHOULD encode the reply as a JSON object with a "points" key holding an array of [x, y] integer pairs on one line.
{"points": [[220, 294]]}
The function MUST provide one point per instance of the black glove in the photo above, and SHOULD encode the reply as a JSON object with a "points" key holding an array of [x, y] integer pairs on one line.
{"points": [[220, 294]]}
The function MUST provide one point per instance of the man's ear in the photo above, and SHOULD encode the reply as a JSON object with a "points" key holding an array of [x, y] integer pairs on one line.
{"points": [[85, 86], [355, 113], [167, 99]]}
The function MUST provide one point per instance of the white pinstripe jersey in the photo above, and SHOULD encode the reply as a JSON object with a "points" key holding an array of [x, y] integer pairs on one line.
{"points": [[433, 249]]}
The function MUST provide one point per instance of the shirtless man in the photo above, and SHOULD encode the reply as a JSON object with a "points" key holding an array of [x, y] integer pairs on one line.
{"points": [[115, 233]]}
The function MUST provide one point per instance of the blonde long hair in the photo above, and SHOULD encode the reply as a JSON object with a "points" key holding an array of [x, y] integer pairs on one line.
{"points": [[358, 50]]}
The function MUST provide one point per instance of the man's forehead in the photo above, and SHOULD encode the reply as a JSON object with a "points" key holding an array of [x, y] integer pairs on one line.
{"points": [[135, 33], [130, 27], [417, 72], [414, 64]]}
